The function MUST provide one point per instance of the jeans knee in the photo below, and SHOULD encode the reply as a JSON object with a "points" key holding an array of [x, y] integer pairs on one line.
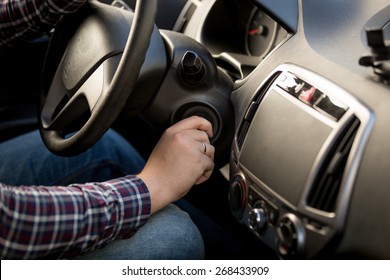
{"points": [[169, 235]]}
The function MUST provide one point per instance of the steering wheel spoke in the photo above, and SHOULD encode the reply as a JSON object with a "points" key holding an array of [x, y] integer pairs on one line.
{"points": [[62, 108], [70, 116]]}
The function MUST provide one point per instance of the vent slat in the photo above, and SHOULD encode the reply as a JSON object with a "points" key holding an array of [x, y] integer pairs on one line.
{"points": [[241, 135], [326, 187]]}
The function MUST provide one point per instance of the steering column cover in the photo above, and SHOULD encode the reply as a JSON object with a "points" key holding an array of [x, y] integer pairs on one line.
{"points": [[208, 95]]}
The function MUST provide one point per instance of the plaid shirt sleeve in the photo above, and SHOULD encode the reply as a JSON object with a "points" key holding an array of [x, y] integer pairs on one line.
{"points": [[25, 20], [63, 222]]}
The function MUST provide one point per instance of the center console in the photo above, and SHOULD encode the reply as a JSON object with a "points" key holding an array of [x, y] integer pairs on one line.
{"points": [[294, 159]]}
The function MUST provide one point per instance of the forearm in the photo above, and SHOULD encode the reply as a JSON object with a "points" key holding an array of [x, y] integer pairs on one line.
{"points": [[62, 222], [25, 20]]}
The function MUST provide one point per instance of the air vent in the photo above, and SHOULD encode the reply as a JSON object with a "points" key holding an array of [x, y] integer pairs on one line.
{"points": [[242, 131], [325, 190]]}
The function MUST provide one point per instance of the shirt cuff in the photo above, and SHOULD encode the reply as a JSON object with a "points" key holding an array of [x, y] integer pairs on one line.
{"points": [[137, 203]]}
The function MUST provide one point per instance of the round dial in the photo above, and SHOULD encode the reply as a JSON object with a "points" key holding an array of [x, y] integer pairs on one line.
{"points": [[260, 34]]}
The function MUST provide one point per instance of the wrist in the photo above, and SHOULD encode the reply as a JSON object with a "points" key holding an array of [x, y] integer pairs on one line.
{"points": [[159, 195]]}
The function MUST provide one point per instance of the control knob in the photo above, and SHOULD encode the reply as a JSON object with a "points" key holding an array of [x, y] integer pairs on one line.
{"points": [[237, 196], [258, 218], [290, 237], [192, 68]]}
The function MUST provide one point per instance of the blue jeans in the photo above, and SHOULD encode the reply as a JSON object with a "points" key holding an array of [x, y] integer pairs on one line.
{"points": [[169, 234]]}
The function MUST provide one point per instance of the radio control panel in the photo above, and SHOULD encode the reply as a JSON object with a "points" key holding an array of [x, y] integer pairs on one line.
{"points": [[293, 161]]}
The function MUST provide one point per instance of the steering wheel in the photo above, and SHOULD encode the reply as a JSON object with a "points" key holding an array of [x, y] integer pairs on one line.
{"points": [[87, 83]]}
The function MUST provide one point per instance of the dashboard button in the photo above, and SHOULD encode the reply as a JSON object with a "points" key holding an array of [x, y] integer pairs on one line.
{"points": [[193, 69], [290, 237], [258, 219], [237, 196]]}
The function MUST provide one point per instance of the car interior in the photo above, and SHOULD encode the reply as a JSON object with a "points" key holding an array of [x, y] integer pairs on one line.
{"points": [[297, 92]]}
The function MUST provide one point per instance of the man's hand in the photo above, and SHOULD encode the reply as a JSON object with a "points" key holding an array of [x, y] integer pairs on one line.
{"points": [[182, 158]]}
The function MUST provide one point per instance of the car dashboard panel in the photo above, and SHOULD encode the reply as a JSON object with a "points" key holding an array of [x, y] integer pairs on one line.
{"points": [[294, 161], [308, 161]]}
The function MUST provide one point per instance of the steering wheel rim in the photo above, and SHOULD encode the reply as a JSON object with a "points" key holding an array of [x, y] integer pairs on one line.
{"points": [[105, 106]]}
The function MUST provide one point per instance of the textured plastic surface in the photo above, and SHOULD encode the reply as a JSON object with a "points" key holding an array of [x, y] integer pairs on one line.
{"points": [[286, 140]]}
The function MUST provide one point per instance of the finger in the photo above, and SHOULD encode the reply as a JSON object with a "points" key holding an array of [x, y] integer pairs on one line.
{"points": [[208, 150], [197, 135], [206, 174], [196, 122]]}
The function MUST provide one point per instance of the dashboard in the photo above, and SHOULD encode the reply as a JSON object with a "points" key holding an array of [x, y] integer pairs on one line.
{"points": [[309, 157]]}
